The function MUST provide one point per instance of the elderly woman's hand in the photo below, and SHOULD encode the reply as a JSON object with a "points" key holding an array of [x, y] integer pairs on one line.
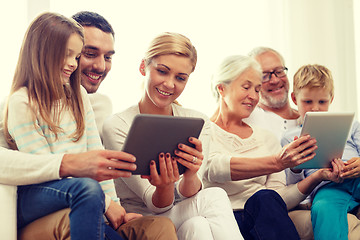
{"points": [[297, 152]]}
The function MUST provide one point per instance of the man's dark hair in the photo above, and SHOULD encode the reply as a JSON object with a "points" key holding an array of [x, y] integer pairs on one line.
{"points": [[92, 19]]}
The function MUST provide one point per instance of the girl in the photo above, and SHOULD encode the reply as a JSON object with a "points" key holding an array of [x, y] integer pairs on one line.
{"points": [[196, 213], [49, 112]]}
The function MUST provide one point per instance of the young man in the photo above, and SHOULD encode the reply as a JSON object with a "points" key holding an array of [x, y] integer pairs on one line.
{"points": [[95, 63]]}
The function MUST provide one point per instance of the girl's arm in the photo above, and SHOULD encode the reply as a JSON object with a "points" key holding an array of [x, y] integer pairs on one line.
{"points": [[24, 127]]}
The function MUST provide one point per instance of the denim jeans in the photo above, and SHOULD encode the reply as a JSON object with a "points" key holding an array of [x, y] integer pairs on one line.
{"points": [[83, 196], [265, 216]]}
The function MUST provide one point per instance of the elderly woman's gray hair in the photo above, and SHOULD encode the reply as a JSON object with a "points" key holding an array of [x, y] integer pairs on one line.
{"points": [[231, 68]]}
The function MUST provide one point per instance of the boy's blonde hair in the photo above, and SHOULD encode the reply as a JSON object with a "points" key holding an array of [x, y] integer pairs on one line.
{"points": [[313, 76]]}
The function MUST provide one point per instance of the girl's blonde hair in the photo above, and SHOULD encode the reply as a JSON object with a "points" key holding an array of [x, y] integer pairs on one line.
{"points": [[313, 76], [39, 69], [171, 43]]}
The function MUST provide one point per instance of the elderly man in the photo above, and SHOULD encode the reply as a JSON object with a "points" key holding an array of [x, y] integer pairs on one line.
{"points": [[273, 111]]}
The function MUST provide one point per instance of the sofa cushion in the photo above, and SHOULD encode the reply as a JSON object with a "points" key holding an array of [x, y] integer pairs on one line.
{"points": [[302, 221], [8, 197]]}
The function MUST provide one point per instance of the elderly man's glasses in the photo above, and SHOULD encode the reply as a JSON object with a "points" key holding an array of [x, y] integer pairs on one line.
{"points": [[279, 72]]}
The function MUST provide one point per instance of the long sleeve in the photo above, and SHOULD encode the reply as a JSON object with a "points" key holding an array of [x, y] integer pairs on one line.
{"points": [[25, 130], [17, 168]]}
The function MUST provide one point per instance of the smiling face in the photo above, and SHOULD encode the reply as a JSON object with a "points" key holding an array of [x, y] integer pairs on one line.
{"points": [[242, 94], [73, 51], [165, 79], [312, 100], [96, 58], [274, 93]]}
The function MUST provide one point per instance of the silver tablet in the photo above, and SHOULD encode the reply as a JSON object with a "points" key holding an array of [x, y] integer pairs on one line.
{"points": [[331, 131], [149, 135]]}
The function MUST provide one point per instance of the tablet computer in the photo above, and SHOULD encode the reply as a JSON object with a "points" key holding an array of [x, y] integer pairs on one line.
{"points": [[331, 131], [149, 135]]}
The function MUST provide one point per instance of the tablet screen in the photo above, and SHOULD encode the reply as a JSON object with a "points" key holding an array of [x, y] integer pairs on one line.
{"points": [[149, 135]]}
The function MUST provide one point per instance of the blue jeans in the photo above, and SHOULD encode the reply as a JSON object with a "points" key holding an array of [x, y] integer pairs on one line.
{"points": [[83, 196], [265, 216]]}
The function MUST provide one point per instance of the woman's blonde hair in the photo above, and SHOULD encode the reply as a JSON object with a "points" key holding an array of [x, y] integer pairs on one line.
{"points": [[313, 76], [39, 69], [171, 43]]}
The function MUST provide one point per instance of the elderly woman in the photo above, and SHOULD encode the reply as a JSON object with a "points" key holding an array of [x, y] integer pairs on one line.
{"points": [[248, 162]]}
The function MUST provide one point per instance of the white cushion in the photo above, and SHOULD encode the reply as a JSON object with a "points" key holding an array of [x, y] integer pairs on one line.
{"points": [[8, 212]]}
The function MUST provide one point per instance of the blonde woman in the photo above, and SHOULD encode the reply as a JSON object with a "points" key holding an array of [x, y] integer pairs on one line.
{"points": [[196, 213]]}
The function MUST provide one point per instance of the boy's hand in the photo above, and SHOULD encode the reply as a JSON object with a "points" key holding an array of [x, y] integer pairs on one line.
{"points": [[333, 174], [352, 168]]}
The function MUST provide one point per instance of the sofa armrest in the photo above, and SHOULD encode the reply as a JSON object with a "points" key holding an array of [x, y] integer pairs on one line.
{"points": [[8, 198]]}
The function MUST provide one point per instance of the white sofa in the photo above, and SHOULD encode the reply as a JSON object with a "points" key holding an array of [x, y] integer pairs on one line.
{"points": [[8, 212]]}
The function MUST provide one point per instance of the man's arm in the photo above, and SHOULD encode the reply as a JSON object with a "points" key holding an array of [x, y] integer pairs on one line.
{"points": [[98, 164], [17, 168]]}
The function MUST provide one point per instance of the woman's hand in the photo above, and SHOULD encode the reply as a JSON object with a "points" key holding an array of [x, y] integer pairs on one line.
{"points": [[169, 172], [333, 174], [165, 181], [190, 157], [297, 152], [352, 168]]}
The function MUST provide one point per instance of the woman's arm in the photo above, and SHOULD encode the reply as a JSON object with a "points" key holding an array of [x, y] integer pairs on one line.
{"points": [[293, 154]]}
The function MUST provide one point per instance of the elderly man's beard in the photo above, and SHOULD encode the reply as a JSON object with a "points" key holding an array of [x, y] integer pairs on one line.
{"points": [[274, 102]]}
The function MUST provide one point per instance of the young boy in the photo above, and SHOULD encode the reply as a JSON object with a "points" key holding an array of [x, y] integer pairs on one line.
{"points": [[313, 90]]}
